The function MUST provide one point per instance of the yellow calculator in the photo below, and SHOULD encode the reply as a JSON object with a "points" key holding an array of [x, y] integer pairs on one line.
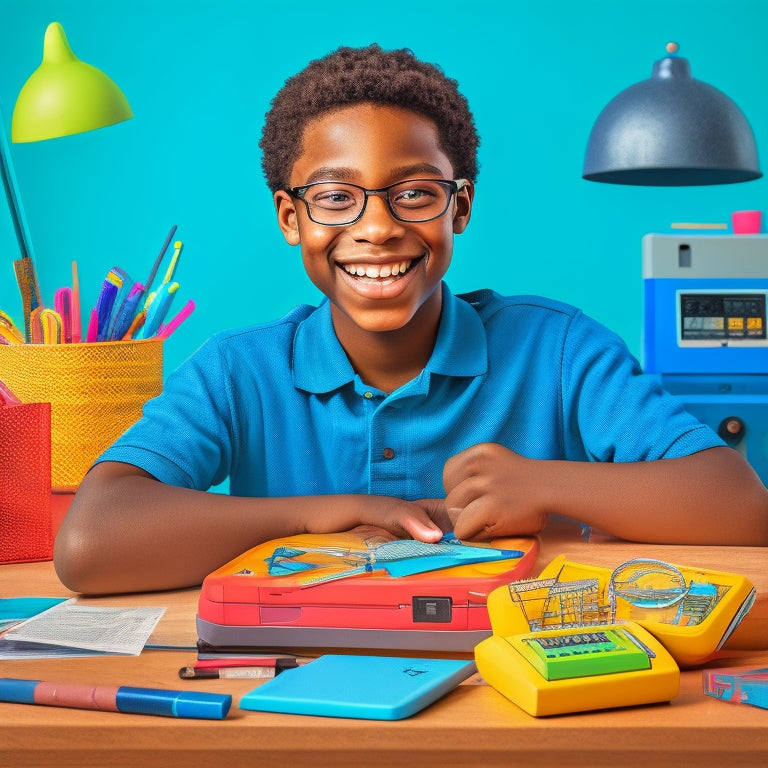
{"points": [[691, 611], [581, 637], [552, 672]]}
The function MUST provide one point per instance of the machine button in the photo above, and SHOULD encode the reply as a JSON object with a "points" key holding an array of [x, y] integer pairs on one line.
{"points": [[432, 609], [732, 429]]}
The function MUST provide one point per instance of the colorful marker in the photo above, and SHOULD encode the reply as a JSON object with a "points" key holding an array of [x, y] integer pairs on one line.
{"points": [[139, 701], [77, 323], [164, 331]]}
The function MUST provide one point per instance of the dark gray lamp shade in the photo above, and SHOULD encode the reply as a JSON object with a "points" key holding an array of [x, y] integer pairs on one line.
{"points": [[671, 130]]}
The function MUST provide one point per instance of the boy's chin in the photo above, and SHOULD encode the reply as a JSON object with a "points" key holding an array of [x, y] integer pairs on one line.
{"points": [[380, 321]]}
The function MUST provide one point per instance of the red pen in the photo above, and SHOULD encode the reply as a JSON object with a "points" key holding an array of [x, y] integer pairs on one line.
{"points": [[262, 671], [242, 661]]}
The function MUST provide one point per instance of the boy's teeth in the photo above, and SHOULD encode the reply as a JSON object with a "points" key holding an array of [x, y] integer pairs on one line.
{"points": [[376, 271]]}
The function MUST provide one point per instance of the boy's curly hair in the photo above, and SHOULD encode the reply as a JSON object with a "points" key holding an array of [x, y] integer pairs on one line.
{"points": [[351, 76]]}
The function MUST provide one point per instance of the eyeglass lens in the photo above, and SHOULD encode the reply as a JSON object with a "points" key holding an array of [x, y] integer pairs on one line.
{"points": [[414, 200]]}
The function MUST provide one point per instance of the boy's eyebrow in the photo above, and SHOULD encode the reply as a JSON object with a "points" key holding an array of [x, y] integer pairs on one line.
{"points": [[413, 171], [328, 173]]}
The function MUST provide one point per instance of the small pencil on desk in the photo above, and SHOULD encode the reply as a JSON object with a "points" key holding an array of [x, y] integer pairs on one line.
{"points": [[263, 673], [259, 671]]}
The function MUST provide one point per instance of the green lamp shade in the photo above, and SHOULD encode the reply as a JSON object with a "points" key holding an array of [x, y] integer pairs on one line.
{"points": [[64, 95]]}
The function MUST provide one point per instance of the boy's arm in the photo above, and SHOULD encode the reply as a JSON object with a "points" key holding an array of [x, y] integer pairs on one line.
{"points": [[127, 532], [710, 497]]}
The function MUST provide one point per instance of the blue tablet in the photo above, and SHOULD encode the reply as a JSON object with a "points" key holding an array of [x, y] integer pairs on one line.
{"points": [[364, 687]]}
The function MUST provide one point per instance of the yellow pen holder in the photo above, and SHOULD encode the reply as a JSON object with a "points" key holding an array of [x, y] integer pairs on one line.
{"points": [[96, 392]]}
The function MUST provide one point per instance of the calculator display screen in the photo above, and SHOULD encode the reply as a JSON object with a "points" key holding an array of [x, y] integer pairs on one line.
{"points": [[722, 317]]}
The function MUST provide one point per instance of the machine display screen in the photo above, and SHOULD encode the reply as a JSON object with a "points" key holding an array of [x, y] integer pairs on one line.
{"points": [[722, 317]]}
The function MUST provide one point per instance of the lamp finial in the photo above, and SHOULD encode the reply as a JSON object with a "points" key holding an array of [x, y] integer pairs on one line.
{"points": [[56, 48]]}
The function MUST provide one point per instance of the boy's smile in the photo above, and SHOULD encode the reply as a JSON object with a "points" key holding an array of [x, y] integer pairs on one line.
{"points": [[380, 274]]}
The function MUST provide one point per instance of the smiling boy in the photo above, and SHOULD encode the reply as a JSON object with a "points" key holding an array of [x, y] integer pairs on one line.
{"points": [[394, 404]]}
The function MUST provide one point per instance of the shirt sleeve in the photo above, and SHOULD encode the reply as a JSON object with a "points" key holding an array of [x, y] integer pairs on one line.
{"points": [[614, 410], [186, 434]]}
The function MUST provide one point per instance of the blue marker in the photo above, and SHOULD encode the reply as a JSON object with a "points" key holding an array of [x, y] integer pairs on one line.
{"points": [[139, 701], [125, 314], [104, 305], [157, 310]]}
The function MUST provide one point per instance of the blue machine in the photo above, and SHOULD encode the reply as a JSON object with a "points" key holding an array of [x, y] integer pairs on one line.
{"points": [[705, 332]]}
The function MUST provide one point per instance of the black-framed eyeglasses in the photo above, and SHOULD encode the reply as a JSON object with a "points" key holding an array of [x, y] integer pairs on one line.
{"points": [[338, 203]]}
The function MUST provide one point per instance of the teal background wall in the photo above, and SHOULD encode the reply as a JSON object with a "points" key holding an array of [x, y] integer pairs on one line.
{"points": [[200, 75]]}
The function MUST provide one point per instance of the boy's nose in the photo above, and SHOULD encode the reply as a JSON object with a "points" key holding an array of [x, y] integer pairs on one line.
{"points": [[377, 220]]}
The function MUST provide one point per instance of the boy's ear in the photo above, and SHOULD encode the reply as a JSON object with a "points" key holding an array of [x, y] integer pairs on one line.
{"points": [[287, 219], [463, 210]]}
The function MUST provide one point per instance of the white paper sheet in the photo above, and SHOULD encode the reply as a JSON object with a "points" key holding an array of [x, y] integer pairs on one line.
{"points": [[71, 629]]}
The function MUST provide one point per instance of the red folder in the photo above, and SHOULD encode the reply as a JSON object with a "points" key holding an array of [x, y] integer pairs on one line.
{"points": [[25, 480]]}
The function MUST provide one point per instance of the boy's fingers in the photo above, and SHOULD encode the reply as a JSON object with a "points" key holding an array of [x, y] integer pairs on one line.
{"points": [[471, 524], [468, 490], [453, 515], [471, 462], [422, 529], [455, 470]]}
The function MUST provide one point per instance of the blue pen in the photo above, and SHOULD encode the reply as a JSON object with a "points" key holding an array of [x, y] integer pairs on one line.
{"points": [[123, 282], [104, 305], [157, 310], [139, 701], [126, 312]]}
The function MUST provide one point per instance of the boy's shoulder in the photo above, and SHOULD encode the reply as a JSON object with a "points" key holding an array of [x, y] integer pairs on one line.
{"points": [[487, 302], [284, 326]]}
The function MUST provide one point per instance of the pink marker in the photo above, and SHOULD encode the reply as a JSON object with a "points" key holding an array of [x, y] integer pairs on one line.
{"points": [[166, 330], [93, 326]]}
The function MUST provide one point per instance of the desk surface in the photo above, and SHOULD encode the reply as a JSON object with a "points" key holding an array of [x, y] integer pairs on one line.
{"points": [[472, 725]]}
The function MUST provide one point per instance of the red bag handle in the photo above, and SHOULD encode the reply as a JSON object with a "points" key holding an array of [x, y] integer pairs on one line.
{"points": [[7, 397]]}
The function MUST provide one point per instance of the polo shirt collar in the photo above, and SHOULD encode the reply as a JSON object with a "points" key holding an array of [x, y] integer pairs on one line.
{"points": [[461, 348], [320, 363]]}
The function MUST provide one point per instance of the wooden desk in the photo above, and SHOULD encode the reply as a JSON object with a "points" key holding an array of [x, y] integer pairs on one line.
{"points": [[472, 726]]}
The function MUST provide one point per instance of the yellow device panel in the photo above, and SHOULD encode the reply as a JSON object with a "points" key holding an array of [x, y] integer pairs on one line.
{"points": [[577, 669], [692, 611]]}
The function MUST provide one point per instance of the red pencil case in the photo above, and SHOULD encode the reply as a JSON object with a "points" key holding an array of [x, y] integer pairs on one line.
{"points": [[25, 480], [242, 606]]}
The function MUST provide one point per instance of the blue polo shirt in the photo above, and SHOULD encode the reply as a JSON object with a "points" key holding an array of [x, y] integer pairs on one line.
{"points": [[279, 410]]}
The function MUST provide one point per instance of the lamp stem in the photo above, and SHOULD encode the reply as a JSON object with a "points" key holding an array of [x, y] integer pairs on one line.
{"points": [[12, 192]]}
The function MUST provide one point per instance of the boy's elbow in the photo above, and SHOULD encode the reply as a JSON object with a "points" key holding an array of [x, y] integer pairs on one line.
{"points": [[76, 561], [77, 553], [748, 507]]}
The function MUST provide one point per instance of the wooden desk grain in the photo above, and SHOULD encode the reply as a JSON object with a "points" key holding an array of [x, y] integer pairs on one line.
{"points": [[471, 726]]}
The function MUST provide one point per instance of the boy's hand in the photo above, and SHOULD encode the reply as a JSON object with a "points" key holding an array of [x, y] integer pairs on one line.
{"points": [[423, 520], [492, 491]]}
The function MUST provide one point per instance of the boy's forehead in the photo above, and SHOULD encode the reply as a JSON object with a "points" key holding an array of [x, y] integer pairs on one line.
{"points": [[369, 139]]}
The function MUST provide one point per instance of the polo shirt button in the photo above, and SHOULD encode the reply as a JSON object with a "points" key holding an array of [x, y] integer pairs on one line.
{"points": [[368, 395], [388, 453]]}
